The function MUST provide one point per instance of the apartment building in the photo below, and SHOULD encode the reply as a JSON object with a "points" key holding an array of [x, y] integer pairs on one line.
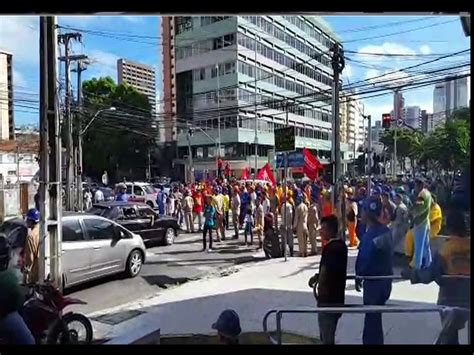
{"points": [[7, 119], [140, 76], [236, 78]]}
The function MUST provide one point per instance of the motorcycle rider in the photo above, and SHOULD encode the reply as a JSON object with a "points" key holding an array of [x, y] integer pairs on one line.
{"points": [[30, 267], [12, 326]]}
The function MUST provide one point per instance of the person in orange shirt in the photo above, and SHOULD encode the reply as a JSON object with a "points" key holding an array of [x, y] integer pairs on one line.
{"points": [[326, 209]]}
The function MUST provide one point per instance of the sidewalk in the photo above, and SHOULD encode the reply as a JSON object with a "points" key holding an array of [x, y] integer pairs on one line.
{"points": [[254, 289]]}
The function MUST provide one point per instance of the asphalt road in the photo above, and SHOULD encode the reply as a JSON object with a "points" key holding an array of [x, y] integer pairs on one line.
{"points": [[165, 266]]}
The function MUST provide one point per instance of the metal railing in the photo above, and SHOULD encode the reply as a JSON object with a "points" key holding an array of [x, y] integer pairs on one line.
{"points": [[357, 308]]}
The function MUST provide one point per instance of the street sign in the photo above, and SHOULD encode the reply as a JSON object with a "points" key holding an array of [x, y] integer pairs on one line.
{"points": [[285, 139]]}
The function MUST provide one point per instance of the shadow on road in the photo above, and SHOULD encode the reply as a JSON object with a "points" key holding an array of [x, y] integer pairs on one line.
{"points": [[164, 281]]}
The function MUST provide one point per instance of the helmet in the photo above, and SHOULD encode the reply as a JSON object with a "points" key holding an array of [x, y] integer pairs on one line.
{"points": [[33, 215]]}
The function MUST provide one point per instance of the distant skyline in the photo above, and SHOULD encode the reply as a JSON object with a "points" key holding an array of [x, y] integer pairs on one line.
{"points": [[138, 38]]}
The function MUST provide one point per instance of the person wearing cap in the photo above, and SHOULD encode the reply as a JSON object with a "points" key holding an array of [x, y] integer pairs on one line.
{"points": [[300, 224], [374, 259], [228, 327], [421, 226]]}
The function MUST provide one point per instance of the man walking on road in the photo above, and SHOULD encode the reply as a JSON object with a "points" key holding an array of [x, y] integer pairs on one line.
{"points": [[31, 266], [219, 204], [287, 225], [313, 225], [188, 204], [301, 225], [235, 206], [331, 278]]}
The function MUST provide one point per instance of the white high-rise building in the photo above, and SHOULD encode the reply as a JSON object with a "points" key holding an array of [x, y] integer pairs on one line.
{"points": [[448, 97], [7, 122], [412, 116]]}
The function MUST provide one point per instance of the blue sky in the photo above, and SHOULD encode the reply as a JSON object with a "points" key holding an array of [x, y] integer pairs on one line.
{"points": [[19, 35]]}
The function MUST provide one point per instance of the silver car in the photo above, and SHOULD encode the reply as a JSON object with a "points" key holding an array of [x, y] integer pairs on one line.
{"points": [[95, 247]]}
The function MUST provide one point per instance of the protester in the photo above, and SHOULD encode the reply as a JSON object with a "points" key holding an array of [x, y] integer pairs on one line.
{"points": [[300, 225], [198, 206], [188, 205], [249, 223], [331, 278], [122, 193], [209, 222], [287, 225], [259, 222], [98, 196], [453, 259], [313, 225], [235, 206], [219, 205], [400, 225], [374, 259], [228, 327], [271, 242], [225, 194], [421, 226], [351, 216]]}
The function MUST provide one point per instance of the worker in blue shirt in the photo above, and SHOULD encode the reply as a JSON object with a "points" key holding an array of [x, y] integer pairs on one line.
{"points": [[374, 259]]}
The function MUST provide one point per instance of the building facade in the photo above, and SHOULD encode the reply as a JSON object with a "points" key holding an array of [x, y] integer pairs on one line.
{"points": [[139, 76], [412, 116], [7, 118], [426, 121], [242, 74], [449, 96]]}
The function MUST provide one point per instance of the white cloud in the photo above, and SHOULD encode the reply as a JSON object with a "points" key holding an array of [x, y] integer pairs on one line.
{"points": [[19, 35], [347, 73], [376, 110], [425, 49], [19, 79], [385, 48], [103, 63]]}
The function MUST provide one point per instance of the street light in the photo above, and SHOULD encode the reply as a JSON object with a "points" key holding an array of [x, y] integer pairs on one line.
{"points": [[79, 158]]}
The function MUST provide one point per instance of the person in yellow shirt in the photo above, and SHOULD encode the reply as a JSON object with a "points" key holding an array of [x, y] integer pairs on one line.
{"points": [[226, 206]]}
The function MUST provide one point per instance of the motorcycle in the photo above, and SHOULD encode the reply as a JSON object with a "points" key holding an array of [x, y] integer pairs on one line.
{"points": [[43, 314]]}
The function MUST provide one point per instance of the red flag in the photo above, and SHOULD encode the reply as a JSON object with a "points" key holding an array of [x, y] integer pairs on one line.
{"points": [[311, 165], [245, 174], [266, 173]]}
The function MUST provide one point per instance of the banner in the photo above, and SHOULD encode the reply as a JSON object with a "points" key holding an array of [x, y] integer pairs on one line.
{"points": [[311, 165], [245, 174], [266, 173]]}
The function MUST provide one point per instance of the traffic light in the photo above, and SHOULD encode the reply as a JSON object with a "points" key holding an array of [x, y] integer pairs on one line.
{"points": [[386, 120]]}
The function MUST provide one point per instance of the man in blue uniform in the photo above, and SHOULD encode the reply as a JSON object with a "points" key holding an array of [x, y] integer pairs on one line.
{"points": [[374, 259]]}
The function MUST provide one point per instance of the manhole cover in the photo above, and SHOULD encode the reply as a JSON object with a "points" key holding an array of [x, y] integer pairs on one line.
{"points": [[117, 318]]}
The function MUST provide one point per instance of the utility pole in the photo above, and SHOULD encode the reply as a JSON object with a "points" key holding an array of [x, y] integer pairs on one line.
{"points": [[369, 154], [285, 188], [218, 153], [337, 66], [256, 118], [50, 157], [397, 117], [65, 40], [190, 157], [81, 66]]}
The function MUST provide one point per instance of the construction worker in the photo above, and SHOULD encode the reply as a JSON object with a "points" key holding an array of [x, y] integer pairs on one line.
{"points": [[287, 224], [351, 215], [300, 225], [31, 252]]}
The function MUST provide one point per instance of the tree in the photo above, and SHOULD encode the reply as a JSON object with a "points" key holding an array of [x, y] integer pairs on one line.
{"points": [[117, 141]]}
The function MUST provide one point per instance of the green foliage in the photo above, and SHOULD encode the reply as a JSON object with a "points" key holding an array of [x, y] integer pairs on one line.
{"points": [[117, 141]]}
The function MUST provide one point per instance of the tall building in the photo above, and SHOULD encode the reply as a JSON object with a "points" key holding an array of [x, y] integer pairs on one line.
{"points": [[426, 121], [377, 131], [239, 71], [412, 116], [7, 119], [139, 76], [448, 97], [169, 80], [352, 123], [398, 105]]}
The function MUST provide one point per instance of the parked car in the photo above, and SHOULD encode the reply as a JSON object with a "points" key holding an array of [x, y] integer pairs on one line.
{"points": [[94, 247], [140, 219], [142, 192]]}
